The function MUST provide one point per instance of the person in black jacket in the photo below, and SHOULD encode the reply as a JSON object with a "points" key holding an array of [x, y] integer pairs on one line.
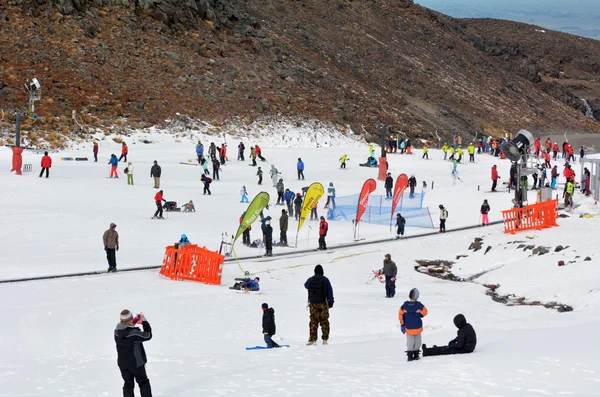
{"points": [[465, 341], [389, 184], [412, 184], [320, 300], [268, 325], [131, 354]]}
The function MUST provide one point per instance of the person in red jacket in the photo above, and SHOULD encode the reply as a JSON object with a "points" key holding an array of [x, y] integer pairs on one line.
{"points": [[46, 164], [569, 173], [158, 199], [124, 151], [259, 153], [494, 178], [555, 150], [223, 154], [95, 150], [323, 227], [547, 159]]}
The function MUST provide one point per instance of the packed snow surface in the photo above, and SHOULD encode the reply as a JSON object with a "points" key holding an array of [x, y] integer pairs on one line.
{"points": [[57, 338]]}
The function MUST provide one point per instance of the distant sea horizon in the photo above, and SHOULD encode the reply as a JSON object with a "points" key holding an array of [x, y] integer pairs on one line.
{"points": [[578, 17]]}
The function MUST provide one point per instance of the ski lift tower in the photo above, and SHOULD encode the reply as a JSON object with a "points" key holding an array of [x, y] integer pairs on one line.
{"points": [[34, 93], [33, 88], [516, 151]]}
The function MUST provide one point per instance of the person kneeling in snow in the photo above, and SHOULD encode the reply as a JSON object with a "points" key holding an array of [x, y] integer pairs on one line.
{"points": [[465, 341], [268, 325], [246, 284]]}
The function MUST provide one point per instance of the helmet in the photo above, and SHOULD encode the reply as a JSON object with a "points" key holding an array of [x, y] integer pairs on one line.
{"points": [[183, 236]]}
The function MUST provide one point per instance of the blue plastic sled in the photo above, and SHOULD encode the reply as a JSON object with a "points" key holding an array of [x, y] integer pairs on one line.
{"points": [[263, 347]]}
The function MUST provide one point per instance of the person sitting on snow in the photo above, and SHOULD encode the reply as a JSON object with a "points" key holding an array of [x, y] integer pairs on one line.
{"points": [[183, 240], [246, 284], [465, 341], [189, 207]]}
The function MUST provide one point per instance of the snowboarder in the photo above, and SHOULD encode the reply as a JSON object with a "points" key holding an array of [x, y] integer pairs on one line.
{"points": [[389, 270], [95, 151], [111, 246], [200, 151], [465, 341], [114, 163], [206, 181], [283, 227], [485, 209], [274, 172], [268, 325], [300, 167], [131, 354], [241, 149], [158, 199], [425, 154], [259, 173], [297, 206], [204, 164], [400, 224], [155, 172], [189, 207], [124, 152], [343, 160], [412, 184], [389, 184], [410, 315], [267, 230], [216, 166], [129, 171], [280, 190], [320, 300], [244, 194], [246, 232], [259, 153], [471, 151], [443, 217], [495, 177], [253, 155], [330, 196], [46, 163], [323, 228]]}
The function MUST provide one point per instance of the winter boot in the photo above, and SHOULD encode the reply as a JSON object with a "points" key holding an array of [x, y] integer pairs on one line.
{"points": [[424, 347], [325, 341], [410, 356], [416, 355], [311, 343]]}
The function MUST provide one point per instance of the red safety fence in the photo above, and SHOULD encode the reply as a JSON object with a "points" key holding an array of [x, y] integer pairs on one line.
{"points": [[535, 216], [192, 263]]}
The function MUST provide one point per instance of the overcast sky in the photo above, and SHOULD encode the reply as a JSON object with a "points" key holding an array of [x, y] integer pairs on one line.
{"points": [[580, 17]]}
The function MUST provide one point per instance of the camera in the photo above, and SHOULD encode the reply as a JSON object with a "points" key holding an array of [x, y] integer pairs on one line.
{"points": [[136, 319]]}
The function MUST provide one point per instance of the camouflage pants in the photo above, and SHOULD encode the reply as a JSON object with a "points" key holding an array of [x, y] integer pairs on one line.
{"points": [[319, 314]]}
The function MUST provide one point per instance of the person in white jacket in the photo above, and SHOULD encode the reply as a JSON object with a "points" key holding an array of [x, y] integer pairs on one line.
{"points": [[130, 173], [274, 173]]}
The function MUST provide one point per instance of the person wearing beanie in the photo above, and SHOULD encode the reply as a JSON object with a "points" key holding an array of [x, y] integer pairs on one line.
{"points": [[158, 199], [111, 246], [323, 228], [46, 164], [400, 224], [320, 300], [485, 209], [298, 206], [114, 163], [443, 217], [389, 270], [465, 340], [300, 168], [124, 152], [155, 172], [410, 315], [131, 356], [268, 326], [330, 196]]}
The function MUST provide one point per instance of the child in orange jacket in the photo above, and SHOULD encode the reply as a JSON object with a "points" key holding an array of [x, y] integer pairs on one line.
{"points": [[410, 315]]}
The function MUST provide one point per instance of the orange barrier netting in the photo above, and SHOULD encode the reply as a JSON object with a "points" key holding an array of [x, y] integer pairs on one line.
{"points": [[535, 216], [192, 263]]}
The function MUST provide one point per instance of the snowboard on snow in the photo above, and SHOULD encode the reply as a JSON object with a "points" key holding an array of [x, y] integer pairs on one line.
{"points": [[264, 347], [181, 162]]}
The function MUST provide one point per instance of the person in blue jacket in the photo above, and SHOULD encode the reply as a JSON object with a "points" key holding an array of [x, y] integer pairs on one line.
{"points": [[184, 240], [247, 284], [288, 197], [200, 151], [114, 163], [300, 167]]}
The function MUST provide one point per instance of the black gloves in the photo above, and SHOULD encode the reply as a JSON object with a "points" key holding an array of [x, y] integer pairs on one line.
{"points": [[117, 247], [330, 304]]}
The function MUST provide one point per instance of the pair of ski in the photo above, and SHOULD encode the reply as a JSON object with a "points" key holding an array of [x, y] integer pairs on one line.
{"points": [[264, 347]]}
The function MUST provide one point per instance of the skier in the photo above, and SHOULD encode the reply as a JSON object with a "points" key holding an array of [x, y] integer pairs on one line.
{"points": [[400, 224], [459, 151], [555, 151], [485, 209], [452, 151], [241, 149], [389, 270], [443, 217], [288, 196], [204, 164], [158, 199], [259, 173], [46, 163], [300, 167], [216, 166], [244, 194], [111, 246], [267, 230], [268, 326], [425, 155], [320, 300], [184, 240], [389, 184], [246, 232], [410, 315], [207, 181], [495, 177], [569, 173], [465, 341], [445, 150], [297, 206], [554, 175], [412, 184], [253, 155], [200, 151], [259, 153], [343, 160], [155, 172], [330, 196], [454, 176], [547, 160], [114, 162], [471, 151], [568, 193], [129, 171], [95, 151], [131, 354], [124, 152], [274, 172], [323, 228], [280, 189], [283, 227]]}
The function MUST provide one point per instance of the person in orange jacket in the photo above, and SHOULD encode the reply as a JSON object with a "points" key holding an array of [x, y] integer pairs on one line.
{"points": [[569, 173], [410, 315], [158, 199], [46, 164], [124, 152], [223, 154], [323, 228]]}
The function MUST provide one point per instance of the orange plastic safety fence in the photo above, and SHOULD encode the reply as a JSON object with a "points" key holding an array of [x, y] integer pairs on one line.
{"points": [[192, 263], [535, 216]]}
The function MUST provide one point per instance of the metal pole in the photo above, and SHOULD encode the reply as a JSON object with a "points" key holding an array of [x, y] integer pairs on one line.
{"points": [[383, 134], [18, 137]]}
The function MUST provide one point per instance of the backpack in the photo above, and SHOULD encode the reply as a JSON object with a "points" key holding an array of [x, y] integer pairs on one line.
{"points": [[316, 290], [446, 212], [126, 170]]}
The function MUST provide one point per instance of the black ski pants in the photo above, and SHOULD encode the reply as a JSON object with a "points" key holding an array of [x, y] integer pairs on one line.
{"points": [[159, 210], [322, 244], [111, 257], [280, 198], [494, 184], [443, 351], [260, 180], [246, 237], [139, 375], [442, 225], [301, 174], [472, 158], [283, 237], [206, 188], [123, 156], [47, 172], [269, 245]]}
